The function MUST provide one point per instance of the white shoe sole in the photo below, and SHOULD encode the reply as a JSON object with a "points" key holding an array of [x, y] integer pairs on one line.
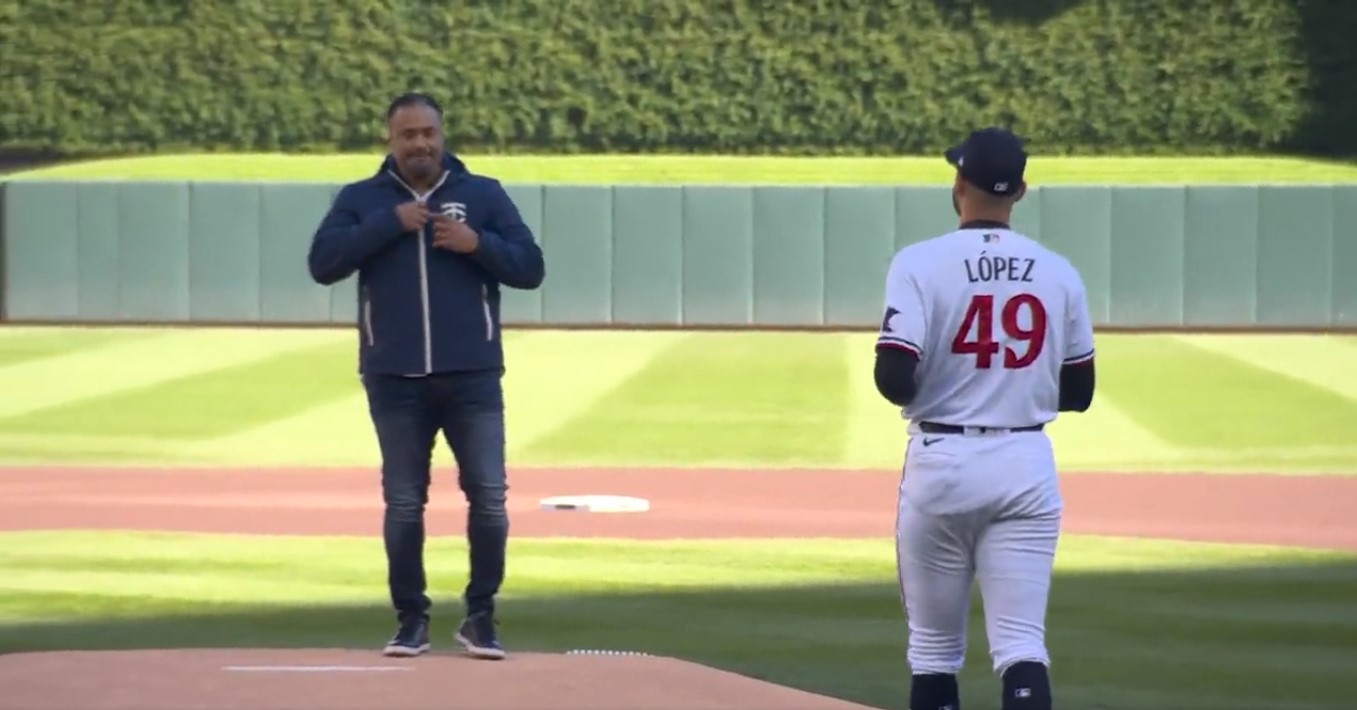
{"points": [[405, 651], [491, 654]]}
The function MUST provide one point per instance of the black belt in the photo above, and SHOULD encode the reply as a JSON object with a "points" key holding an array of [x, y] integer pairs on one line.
{"points": [[936, 428]]}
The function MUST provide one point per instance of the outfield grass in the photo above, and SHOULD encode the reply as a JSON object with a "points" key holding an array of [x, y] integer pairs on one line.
{"points": [[1282, 403], [1133, 624], [679, 169]]}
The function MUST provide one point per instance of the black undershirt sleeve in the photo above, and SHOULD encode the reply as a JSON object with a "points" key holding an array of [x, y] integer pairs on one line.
{"points": [[1076, 386], [894, 374]]}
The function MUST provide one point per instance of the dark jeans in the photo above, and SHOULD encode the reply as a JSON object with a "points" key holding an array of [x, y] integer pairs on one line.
{"points": [[407, 414]]}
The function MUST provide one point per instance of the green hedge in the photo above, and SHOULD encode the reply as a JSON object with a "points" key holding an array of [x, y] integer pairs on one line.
{"points": [[736, 76]]}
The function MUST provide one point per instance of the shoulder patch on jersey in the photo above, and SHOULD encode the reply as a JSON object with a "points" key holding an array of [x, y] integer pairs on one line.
{"points": [[886, 320]]}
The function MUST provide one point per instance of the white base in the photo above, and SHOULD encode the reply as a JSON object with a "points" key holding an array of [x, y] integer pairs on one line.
{"points": [[597, 504]]}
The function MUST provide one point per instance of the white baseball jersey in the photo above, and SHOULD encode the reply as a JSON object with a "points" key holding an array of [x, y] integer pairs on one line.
{"points": [[992, 315]]}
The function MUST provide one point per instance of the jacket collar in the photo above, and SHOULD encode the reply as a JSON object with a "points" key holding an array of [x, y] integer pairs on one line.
{"points": [[453, 170]]}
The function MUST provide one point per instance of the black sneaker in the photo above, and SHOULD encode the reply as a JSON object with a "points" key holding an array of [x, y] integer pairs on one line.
{"points": [[477, 634], [412, 639]]}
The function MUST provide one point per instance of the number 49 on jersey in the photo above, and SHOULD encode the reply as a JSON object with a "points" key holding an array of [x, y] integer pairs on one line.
{"points": [[976, 335]]}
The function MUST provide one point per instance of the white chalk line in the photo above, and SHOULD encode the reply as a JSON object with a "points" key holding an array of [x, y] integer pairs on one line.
{"points": [[315, 669]]}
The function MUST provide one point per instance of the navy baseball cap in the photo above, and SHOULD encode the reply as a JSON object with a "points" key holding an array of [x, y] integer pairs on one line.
{"points": [[992, 159]]}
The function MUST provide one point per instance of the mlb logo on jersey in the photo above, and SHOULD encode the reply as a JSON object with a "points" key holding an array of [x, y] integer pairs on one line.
{"points": [[990, 237]]}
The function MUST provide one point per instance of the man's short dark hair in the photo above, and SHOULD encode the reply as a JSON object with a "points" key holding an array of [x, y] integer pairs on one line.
{"points": [[413, 98]]}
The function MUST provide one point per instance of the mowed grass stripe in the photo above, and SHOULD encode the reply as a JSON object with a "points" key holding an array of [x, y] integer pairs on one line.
{"points": [[1210, 621], [207, 404], [37, 344], [1190, 397], [551, 377], [334, 432], [718, 399], [1214, 631], [1213, 624], [877, 434], [1324, 361], [556, 376], [1102, 438], [30, 448], [542, 400], [171, 567], [1105, 438], [158, 356]]}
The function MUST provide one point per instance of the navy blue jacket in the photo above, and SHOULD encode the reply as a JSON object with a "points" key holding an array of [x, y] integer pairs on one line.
{"points": [[422, 309]]}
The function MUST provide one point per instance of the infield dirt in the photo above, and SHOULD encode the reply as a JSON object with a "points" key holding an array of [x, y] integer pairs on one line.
{"points": [[1307, 511]]}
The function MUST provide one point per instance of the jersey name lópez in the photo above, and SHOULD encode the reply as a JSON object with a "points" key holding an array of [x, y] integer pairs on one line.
{"points": [[992, 315]]}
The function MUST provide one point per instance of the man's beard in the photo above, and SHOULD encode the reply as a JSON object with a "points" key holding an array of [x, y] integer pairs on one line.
{"points": [[420, 167]]}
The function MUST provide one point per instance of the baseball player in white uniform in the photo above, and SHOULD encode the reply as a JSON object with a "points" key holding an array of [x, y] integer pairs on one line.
{"points": [[986, 337]]}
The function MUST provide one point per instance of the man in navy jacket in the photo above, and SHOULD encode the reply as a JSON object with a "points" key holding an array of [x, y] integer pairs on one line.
{"points": [[432, 243]]}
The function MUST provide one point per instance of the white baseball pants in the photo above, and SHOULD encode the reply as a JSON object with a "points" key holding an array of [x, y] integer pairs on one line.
{"points": [[980, 507]]}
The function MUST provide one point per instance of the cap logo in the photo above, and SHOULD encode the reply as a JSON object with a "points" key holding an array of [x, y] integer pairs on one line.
{"points": [[1001, 187]]}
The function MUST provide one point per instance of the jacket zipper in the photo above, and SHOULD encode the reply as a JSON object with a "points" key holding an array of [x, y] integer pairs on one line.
{"points": [[367, 317], [424, 270], [485, 309], [424, 301]]}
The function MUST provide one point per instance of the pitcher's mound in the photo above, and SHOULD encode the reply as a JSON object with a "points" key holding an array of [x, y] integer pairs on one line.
{"points": [[328, 679]]}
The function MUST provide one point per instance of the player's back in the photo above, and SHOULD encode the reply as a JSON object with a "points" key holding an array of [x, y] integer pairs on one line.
{"points": [[997, 308]]}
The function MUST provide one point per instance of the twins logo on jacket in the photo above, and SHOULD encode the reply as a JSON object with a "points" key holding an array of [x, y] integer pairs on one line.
{"points": [[455, 210]]}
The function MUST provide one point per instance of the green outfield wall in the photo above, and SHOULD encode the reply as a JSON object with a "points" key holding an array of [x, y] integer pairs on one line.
{"points": [[1153, 257]]}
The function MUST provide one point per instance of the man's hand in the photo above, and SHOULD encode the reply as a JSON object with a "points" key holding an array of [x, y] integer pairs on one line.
{"points": [[413, 215], [455, 236]]}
